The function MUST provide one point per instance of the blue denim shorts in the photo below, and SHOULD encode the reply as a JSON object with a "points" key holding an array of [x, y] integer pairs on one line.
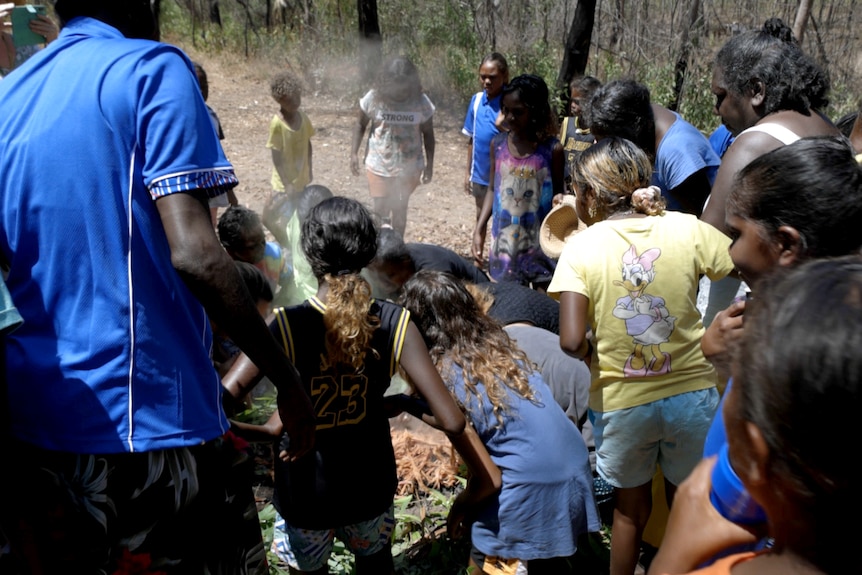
{"points": [[669, 432], [309, 549]]}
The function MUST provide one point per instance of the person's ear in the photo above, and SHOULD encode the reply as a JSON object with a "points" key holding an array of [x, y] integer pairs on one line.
{"points": [[757, 92], [791, 246], [754, 468]]}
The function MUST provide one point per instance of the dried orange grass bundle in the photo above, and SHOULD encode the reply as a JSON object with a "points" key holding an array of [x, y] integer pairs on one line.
{"points": [[423, 464]]}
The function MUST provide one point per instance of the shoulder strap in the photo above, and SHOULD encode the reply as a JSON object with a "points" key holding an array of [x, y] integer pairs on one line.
{"points": [[780, 133], [399, 335], [477, 99], [286, 335]]}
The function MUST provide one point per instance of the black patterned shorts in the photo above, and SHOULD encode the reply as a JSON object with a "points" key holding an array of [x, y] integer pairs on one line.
{"points": [[187, 510]]}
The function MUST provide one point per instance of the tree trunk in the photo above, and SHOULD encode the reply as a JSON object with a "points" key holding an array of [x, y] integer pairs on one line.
{"points": [[617, 27], [802, 13], [577, 49], [681, 66], [370, 40]]}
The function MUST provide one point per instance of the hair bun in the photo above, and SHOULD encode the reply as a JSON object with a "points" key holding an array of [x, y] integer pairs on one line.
{"points": [[645, 197]]}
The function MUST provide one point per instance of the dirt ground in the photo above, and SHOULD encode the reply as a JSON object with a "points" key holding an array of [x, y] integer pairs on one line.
{"points": [[440, 212]]}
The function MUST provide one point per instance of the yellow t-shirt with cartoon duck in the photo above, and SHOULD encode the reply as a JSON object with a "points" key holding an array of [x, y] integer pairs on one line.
{"points": [[641, 276]]}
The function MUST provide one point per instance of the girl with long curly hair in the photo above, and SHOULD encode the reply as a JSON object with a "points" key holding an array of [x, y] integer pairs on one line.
{"points": [[346, 347], [546, 501]]}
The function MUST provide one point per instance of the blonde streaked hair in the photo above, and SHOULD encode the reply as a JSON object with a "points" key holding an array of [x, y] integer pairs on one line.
{"points": [[615, 168]]}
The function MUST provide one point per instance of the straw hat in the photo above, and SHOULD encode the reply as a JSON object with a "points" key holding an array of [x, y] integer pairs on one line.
{"points": [[560, 224]]}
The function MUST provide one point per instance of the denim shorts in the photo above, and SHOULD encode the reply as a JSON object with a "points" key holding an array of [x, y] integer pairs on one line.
{"points": [[669, 432], [309, 549]]}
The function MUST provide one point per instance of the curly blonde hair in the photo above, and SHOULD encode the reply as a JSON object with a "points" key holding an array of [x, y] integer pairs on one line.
{"points": [[458, 333], [349, 326], [614, 168], [285, 84]]}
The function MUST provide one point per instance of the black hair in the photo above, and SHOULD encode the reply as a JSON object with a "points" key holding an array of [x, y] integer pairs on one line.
{"points": [[622, 108], [309, 197], [254, 280], [203, 81], [532, 91], [134, 18], [398, 71], [586, 85], [813, 185], [338, 237], [234, 223], [845, 123], [391, 249], [800, 361], [498, 60], [791, 80]]}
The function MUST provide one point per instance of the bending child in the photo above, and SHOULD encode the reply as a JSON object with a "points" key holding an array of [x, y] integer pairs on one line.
{"points": [[346, 347], [546, 501]]}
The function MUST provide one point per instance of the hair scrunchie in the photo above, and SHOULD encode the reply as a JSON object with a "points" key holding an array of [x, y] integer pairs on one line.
{"points": [[647, 200]]}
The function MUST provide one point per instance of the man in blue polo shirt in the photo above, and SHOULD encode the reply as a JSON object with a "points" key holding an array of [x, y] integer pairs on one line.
{"points": [[107, 159]]}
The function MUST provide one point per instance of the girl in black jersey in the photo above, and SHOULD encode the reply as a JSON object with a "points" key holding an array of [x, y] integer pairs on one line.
{"points": [[346, 347]]}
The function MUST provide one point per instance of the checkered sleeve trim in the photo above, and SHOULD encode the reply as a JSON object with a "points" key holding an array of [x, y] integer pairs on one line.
{"points": [[214, 182]]}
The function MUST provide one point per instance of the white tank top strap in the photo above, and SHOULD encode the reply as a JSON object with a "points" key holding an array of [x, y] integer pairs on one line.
{"points": [[777, 131]]}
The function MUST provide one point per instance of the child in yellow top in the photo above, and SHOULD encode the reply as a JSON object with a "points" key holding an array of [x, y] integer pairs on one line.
{"points": [[290, 133]]}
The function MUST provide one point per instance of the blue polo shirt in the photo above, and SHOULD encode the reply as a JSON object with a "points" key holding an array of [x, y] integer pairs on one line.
{"points": [[113, 355], [682, 151], [481, 127]]}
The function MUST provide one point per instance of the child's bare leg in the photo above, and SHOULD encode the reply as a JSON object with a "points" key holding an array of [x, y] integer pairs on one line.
{"points": [[479, 198], [633, 506], [399, 212], [379, 563], [381, 208]]}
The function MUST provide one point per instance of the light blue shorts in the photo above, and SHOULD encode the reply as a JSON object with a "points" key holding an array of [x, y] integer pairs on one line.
{"points": [[670, 432], [309, 549]]}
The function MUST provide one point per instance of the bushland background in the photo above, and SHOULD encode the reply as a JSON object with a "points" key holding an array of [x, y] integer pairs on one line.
{"points": [[666, 44]]}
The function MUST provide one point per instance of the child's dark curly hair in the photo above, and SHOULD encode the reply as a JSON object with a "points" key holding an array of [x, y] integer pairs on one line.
{"points": [[285, 85], [234, 223]]}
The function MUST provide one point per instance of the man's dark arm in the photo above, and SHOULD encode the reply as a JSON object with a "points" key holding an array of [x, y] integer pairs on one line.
{"points": [[212, 277]]}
